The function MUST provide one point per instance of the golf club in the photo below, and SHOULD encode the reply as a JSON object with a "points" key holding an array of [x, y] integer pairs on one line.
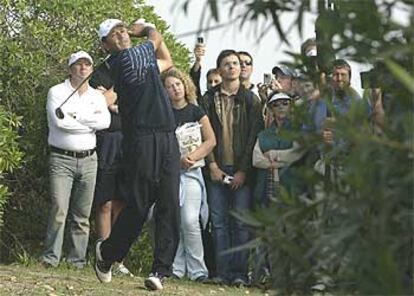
{"points": [[58, 111]]}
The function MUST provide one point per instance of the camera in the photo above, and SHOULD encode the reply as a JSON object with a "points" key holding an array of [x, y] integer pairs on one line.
{"points": [[227, 179], [367, 79], [267, 78], [374, 78], [370, 79], [200, 40]]}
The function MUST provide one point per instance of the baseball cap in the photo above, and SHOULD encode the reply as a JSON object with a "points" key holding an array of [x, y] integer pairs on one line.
{"points": [[285, 70], [106, 26], [278, 96], [311, 53], [74, 57]]}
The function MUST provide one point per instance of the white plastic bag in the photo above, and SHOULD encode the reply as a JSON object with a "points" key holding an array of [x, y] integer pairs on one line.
{"points": [[189, 138]]}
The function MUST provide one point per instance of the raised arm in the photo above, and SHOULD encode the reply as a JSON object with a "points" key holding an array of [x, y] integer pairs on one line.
{"points": [[164, 59], [142, 29]]}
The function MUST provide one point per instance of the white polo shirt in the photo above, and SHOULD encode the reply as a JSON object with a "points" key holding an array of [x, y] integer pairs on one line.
{"points": [[83, 115]]}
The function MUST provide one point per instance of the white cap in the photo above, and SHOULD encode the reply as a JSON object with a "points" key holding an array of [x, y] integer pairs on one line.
{"points": [[106, 26], [74, 57], [312, 53], [278, 96]]}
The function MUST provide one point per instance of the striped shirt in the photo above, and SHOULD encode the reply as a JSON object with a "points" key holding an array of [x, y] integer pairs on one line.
{"points": [[143, 102]]}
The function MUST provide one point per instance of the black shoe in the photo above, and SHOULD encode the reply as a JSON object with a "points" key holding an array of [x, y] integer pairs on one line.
{"points": [[154, 281], [239, 283], [203, 279]]}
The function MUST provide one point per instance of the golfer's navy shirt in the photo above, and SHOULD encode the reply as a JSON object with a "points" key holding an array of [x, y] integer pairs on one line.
{"points": [[143, 102]]}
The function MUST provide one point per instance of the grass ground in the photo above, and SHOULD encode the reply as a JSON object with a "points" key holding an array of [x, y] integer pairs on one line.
{"points": [[38, 280]]}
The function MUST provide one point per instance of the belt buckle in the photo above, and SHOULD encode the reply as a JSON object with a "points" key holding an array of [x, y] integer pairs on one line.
{"points": [[85, 153]]}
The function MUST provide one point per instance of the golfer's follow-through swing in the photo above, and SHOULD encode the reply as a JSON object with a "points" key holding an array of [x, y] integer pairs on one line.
{"points": [[151, 166]]}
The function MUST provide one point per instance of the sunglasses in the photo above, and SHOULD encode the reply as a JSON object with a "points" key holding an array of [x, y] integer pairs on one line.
{"points": [[280, 103], [246, 63]]}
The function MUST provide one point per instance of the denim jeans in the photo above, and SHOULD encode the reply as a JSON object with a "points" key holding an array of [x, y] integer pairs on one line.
{"points": [[190, 254], [229, 232], [72, 184]]}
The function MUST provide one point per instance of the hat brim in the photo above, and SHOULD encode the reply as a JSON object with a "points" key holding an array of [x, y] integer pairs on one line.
{"points": [[120, 24], [80, 58]]}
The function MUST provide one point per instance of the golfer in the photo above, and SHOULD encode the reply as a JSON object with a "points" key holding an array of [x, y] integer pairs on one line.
{"points": [[150, 149]]}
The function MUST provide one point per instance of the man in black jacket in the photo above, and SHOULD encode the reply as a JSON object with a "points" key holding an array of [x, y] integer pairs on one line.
{"points": [[235, 114]]}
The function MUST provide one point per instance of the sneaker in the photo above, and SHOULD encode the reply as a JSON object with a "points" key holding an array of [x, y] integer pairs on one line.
{"points": [[320, 287], [239, 283], [323, 283], [102, 268], [120, 269], [175, 277], [154, 282]]}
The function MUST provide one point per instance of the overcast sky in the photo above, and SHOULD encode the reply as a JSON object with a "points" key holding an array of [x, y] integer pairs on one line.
{"points": [[266, 53]]}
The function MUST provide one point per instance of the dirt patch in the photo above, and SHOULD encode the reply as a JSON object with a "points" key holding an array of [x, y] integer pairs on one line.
{"points": [[37, 280]]}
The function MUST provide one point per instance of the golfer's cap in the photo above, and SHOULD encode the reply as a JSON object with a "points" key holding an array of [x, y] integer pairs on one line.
{"points": [[284, 70], [278, 96], [74, 57], [106, 26]]}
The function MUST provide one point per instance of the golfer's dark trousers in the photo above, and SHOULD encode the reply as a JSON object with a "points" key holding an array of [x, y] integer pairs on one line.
{"points": [[151, 175]]}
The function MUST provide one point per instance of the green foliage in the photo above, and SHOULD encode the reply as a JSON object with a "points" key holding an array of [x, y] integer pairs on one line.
{"points": [[36, 39], [356, 230], [10, 155]]}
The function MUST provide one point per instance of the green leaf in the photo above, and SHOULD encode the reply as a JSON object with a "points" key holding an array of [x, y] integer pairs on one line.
{"points": [[401, 74]]}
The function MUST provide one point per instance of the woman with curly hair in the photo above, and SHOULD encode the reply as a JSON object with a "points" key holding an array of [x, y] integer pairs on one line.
{"points": [[189, 259]]}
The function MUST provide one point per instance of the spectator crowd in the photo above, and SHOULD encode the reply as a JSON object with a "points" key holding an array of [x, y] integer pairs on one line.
{"points": [[136, 137]]}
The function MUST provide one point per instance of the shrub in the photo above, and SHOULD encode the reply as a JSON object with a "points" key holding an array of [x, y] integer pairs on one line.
{"points": [[10, 154], [357, 231]]}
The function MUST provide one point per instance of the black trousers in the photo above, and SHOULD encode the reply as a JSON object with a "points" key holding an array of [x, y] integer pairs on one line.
{"points": [[151, 175]]}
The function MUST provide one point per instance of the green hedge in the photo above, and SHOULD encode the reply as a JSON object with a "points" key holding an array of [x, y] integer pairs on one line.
{"points": [[10, 154]]}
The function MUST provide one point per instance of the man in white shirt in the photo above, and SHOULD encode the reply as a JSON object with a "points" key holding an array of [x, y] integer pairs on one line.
{"points": [[73, 161]]}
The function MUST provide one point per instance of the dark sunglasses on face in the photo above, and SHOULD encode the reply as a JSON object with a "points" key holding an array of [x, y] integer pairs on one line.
{"points": [[246, 63], [279, 103]]}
